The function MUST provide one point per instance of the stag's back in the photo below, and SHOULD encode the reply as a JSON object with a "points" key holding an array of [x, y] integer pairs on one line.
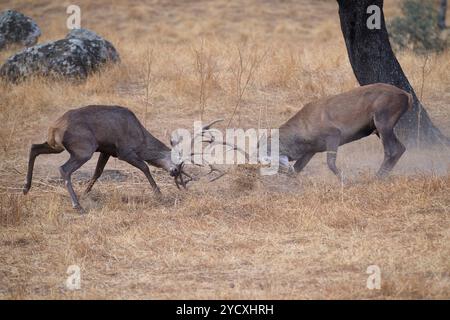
{"points": [[107, 125], [349, 112]]}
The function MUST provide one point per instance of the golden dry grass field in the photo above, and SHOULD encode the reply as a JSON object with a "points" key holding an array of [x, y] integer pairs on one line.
{"points": [[242, 236]]}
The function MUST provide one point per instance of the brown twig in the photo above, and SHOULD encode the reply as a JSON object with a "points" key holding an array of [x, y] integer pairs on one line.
{"points": [[419, 114], [148, 81], [240, 85], [205, 68]]}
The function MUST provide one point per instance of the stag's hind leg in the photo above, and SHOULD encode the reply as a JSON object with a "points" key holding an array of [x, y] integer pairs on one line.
{"points": [[74, 163], [101, 163], [332, 144], [37, 149], [393, 148]]}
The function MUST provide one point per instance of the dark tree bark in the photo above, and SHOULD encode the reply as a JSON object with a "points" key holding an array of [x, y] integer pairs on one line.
{"points": [[373, 61], [442, 14]]}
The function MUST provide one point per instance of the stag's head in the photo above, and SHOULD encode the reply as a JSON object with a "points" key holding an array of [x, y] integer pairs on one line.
{"points": [[168, 160], [271, 154], [176, 169]]}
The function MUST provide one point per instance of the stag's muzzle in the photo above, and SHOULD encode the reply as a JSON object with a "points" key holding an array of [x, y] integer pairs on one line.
{"points": [[175, 171]]}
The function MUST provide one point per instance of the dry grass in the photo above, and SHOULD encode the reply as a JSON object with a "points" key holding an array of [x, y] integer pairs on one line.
{"points": [[243, 236]]}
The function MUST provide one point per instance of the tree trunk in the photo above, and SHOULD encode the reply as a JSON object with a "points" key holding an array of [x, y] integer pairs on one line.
{"points": [[442, 14], [373, 61]]}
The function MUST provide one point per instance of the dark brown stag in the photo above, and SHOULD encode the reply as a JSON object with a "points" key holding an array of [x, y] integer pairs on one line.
{"points": [[111, 130], [326, 124]]}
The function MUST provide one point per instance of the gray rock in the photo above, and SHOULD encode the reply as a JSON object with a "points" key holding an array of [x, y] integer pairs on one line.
{"points": [[108, 50], [17, 28], [75, 57], [2, 41], [83, 34]]}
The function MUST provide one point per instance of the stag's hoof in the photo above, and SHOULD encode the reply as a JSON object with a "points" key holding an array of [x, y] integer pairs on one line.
{"points": [[157, 192], [287, 170], [158, 195], [88, 189], [382, 174], [80, 209], [25, 189]]}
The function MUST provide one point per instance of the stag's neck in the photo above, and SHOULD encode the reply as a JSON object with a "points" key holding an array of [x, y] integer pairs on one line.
{"points": [[163, 162], [292, 143], [154, 151]]}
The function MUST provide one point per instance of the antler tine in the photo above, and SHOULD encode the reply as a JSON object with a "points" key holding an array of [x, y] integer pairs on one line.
{"points": [[204, 130], [234, 147], [208, 126], [212, 169], [211, 140], [175, 179], [182, 172], [182, 181], [218, 177]]}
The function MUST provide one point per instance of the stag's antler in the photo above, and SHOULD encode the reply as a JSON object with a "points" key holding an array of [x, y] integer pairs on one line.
{"points": [[208, 126], [180, 177], [211, 140], [205, 139], [205, 130]]}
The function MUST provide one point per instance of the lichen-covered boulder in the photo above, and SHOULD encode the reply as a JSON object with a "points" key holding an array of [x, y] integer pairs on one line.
{"points": [[16, 28], [74, 57], [84, 34], [107, 50], [2, 41]]}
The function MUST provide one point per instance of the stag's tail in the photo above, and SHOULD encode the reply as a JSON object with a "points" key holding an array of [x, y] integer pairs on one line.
{"points": [[440, 137], [37, 149], [410, 101]]}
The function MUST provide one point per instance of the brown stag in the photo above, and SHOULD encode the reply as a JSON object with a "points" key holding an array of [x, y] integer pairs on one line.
{"points": [[111, 130], [326, 124]]}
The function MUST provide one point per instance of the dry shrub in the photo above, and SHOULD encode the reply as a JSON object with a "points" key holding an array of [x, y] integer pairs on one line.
{"points": [[206, 69], [12, 210]]}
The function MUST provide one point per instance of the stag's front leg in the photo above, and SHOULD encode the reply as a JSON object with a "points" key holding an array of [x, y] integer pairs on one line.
{"points": [[135, 161], [303, 161], [101, 163]]}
